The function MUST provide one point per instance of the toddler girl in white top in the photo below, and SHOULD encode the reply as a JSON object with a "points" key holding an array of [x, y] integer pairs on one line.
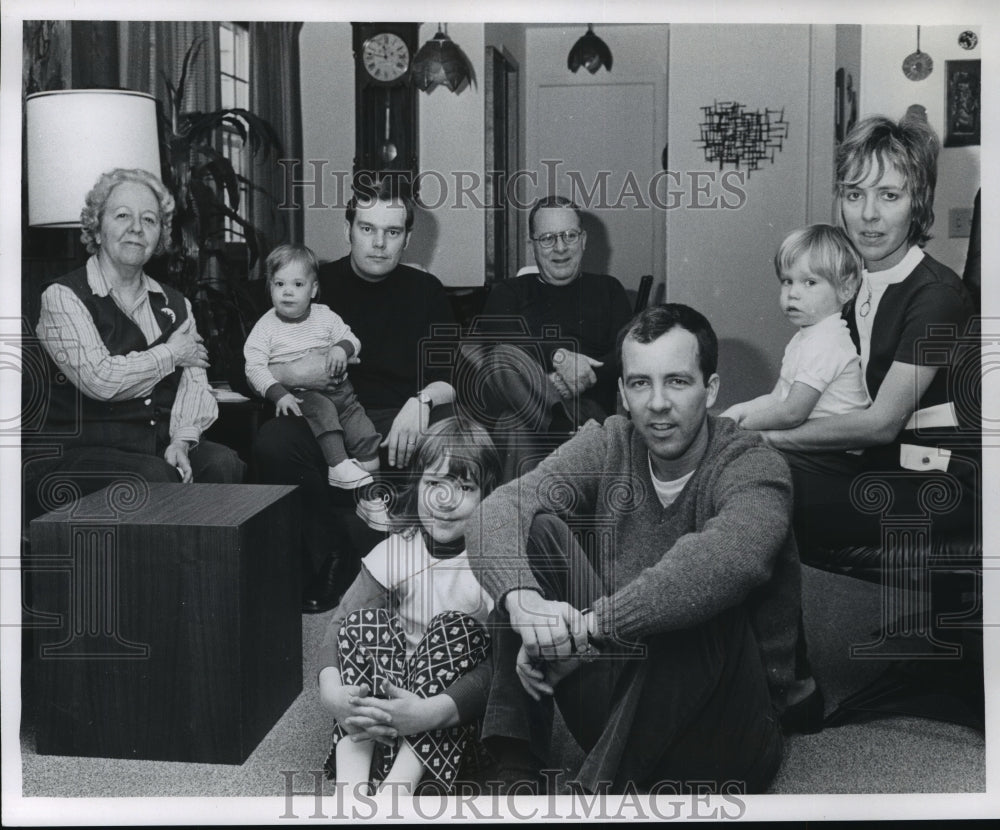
{"points": [[819, 272]]}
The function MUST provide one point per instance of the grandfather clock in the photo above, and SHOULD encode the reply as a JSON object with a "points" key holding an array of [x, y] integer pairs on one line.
{"points": [[385, 100]]}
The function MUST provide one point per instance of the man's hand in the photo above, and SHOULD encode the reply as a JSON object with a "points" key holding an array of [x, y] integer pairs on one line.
{"points": [[576, 370], [549, 630], [308, 372], [406, 430], [188, 348], [176, 455], [541, 678], [288, 404], [336, 361]]}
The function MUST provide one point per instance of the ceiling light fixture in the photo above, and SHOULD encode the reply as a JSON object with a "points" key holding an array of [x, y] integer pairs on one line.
{"points": [[589, 51], [440, 62]]}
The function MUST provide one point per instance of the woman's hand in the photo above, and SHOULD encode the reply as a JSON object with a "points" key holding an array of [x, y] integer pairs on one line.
{"points": [[402, 713], [406, 429], [288, 404], [736, 412], [188, 349], [176, 455]]}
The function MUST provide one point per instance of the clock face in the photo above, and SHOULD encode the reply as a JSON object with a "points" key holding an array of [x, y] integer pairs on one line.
{"points": [[385, 57]]}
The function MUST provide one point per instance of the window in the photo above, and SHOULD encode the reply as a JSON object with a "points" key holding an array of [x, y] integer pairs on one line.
{"points": [[234, 81]]}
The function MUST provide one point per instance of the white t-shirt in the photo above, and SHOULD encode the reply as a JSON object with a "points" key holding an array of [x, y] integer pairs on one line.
{"points": [[823, 357], [667, 491], [425, 586]]}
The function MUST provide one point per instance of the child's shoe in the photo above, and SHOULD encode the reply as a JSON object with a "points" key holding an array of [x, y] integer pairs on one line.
{"points": [[349, 475], [371, 466], [375, 513]]}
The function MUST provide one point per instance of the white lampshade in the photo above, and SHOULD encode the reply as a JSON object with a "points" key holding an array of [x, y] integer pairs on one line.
{"points": [[75, 135]]}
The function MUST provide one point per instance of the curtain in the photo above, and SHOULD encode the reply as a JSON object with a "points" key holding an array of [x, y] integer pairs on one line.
{"points": [[149, 48], [275, 95], [152, 49]]}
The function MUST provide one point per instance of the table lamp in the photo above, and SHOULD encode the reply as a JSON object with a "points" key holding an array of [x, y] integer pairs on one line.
{"points": [[75, 135]]}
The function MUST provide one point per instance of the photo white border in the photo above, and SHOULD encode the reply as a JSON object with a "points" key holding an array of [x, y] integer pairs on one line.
{"points": [[43, 811]]}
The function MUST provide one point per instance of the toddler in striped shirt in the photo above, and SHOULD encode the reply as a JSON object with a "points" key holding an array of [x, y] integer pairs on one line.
{"points": [[294, 327]]}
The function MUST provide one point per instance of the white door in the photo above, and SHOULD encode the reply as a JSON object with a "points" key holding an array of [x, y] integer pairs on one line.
{"points": [[600, 143]]}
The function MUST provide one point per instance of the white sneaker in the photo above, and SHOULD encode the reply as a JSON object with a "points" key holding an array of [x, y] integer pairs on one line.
{"points": [[349, 475], [375, 513]]}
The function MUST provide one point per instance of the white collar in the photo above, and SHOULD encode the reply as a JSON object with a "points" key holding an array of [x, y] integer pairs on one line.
{"points": [[899, 272], [831, 323], [99, 285]]}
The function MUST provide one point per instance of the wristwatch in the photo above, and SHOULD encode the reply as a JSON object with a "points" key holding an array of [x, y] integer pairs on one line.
{"points": [[423, 397]]}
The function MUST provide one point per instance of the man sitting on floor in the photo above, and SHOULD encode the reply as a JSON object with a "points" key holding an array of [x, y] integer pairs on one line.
{"points": [[646, 578]]}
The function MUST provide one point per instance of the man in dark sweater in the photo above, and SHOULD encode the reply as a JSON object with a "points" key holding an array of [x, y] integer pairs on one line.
{"points": [[394, 310], [549, 365], [646, 579]]}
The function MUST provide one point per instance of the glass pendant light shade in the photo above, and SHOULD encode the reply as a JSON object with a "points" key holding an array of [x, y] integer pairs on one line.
{"points": [[590, 52], [440, 62]]}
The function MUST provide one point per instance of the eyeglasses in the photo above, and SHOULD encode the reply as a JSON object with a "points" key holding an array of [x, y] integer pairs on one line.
{"points": [[548, 240]]}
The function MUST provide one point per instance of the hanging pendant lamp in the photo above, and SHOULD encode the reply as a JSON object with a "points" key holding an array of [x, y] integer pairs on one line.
{"points": [[440, 62], [589, 51]]}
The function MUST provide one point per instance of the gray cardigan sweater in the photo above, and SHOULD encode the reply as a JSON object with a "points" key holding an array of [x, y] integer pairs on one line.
{"points": [[724, 541]]}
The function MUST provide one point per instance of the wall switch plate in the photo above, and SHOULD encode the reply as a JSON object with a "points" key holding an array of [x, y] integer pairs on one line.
{"points": [[959, 222]]}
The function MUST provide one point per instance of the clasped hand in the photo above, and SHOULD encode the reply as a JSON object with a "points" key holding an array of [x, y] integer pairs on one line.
{"points": [[188, 348], [553, 635], [365, 717]]}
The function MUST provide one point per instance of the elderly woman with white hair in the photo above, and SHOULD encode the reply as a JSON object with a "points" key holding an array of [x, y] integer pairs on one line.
{"points": [[138, 398]]}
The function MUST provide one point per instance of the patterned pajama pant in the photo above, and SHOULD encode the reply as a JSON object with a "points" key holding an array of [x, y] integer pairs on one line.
{"points": [[373, 650]]}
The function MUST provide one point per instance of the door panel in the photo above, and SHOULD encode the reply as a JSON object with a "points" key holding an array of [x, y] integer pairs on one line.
{"points": [[598, 144]]}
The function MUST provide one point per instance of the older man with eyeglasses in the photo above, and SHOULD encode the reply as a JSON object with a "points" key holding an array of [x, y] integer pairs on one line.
{"points": [[549, 366]]}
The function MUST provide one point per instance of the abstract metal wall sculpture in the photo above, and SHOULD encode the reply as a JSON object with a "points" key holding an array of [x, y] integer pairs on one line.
{"points": [[730, 134]]}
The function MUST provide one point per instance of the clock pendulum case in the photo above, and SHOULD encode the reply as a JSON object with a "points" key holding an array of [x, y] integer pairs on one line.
{"points": [[385, 101]]}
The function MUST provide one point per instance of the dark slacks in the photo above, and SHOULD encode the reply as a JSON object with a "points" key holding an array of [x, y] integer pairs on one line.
{"points": [[840, 503], [511, 394], [679, 706]]}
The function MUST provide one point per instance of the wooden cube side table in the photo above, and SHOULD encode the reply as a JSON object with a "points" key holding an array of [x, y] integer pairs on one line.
{"points": [[179, 628]]}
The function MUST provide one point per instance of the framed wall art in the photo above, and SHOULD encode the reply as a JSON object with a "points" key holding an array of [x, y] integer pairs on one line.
{"points": [[962, 103]]}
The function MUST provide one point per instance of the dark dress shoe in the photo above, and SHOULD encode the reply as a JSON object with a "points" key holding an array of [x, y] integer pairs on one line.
{"points": [[327, 588], [806, 716]]}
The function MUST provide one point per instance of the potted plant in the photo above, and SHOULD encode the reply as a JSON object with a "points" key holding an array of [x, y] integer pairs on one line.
{"points": [[208, 270]]}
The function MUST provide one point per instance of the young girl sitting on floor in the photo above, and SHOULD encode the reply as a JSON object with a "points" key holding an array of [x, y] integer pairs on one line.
{"points": [[403, 664]]}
